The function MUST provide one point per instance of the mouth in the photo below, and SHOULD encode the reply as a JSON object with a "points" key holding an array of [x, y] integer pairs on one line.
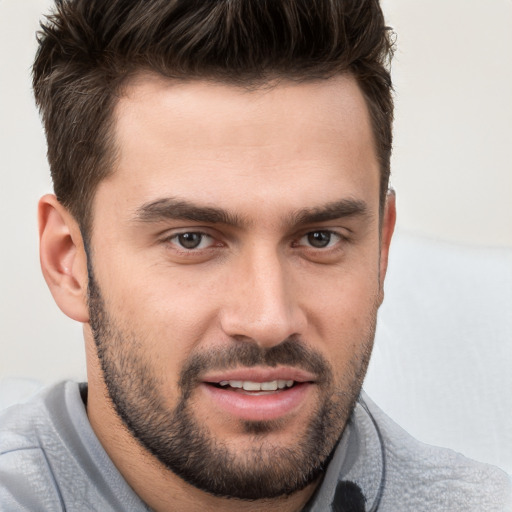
{"points": [[258, 395]]}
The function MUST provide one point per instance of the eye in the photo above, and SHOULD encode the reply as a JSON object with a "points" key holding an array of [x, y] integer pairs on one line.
{"points": [[191, 240], [320, 239]]}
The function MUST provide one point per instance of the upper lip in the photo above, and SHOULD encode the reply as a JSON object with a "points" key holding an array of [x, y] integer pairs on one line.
{"points": [[260, 374]]}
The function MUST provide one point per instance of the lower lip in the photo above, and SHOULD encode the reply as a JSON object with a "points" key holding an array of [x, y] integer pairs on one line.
{"points": [[258, 407]]}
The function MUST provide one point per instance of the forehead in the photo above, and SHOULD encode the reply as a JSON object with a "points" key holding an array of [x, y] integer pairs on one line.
{"points": [[219, 141], [306, 108]]}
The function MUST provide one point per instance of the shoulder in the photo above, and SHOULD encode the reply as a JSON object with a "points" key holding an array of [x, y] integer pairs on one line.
{"points": [[26, 478], [25, 425], [51, 459], [433, 478]]}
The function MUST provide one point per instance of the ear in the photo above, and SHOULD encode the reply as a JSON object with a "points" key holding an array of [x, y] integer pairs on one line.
{"points": [[63, 258], [388, 226]]}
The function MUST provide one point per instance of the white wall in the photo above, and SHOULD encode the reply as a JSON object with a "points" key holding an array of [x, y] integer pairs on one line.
{"points": [[36, 339], [452, 166]]}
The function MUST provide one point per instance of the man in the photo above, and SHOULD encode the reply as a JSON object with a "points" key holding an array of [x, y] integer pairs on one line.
{"points": [[221, 227]]}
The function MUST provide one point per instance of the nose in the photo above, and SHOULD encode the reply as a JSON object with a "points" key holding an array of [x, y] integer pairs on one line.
{"points": [[262, 304]]}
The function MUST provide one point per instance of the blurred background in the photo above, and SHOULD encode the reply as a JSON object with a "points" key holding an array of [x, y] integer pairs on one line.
{"points": [[451, 168]]}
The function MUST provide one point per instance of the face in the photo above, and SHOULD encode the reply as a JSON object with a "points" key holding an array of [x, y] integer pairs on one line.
{"points": [[235, 273]]}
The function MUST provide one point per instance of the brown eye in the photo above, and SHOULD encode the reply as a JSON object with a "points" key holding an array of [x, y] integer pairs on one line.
{"points": [[319, 239], [192, 240]]}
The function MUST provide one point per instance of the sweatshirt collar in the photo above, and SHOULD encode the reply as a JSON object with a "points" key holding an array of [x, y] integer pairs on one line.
{"points": [[354, 479]]}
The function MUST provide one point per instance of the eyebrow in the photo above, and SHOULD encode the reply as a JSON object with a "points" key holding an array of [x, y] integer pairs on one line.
{"points": [[179, 209], [331, 211]]}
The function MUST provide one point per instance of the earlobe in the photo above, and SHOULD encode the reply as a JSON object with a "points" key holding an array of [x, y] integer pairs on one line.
{"points": [[388, 226], [63, 259]]}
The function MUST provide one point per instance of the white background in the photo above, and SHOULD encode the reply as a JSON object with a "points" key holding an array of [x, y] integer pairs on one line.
{"points": [[452, 165]]}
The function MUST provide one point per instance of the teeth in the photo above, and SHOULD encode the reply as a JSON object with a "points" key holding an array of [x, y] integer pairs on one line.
{"points": [[251, 386], [248, 385]]}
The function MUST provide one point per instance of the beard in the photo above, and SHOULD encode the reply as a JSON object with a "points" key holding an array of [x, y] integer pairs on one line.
{"points": [[176, 437]]}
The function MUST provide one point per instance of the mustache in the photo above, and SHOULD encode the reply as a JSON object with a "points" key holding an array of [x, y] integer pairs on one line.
{"points": [[290, 352]]}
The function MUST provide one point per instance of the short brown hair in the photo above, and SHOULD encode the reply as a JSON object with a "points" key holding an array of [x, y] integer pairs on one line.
{"points": [[89, 48]]}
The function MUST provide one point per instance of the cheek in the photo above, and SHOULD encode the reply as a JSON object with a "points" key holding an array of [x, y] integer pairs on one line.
{"points": [[346, 300], [166, 316], [172, 323], [342, 319]]}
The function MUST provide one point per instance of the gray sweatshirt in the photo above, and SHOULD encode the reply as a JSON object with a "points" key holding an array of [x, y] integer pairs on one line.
{"points": [[51, 460]]}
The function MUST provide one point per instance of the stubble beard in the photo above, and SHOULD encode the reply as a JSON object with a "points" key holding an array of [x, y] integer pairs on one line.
{"points": [[187, 448]]}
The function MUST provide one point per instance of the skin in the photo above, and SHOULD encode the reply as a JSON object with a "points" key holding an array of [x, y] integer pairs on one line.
{"points": [[269, 158]]}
